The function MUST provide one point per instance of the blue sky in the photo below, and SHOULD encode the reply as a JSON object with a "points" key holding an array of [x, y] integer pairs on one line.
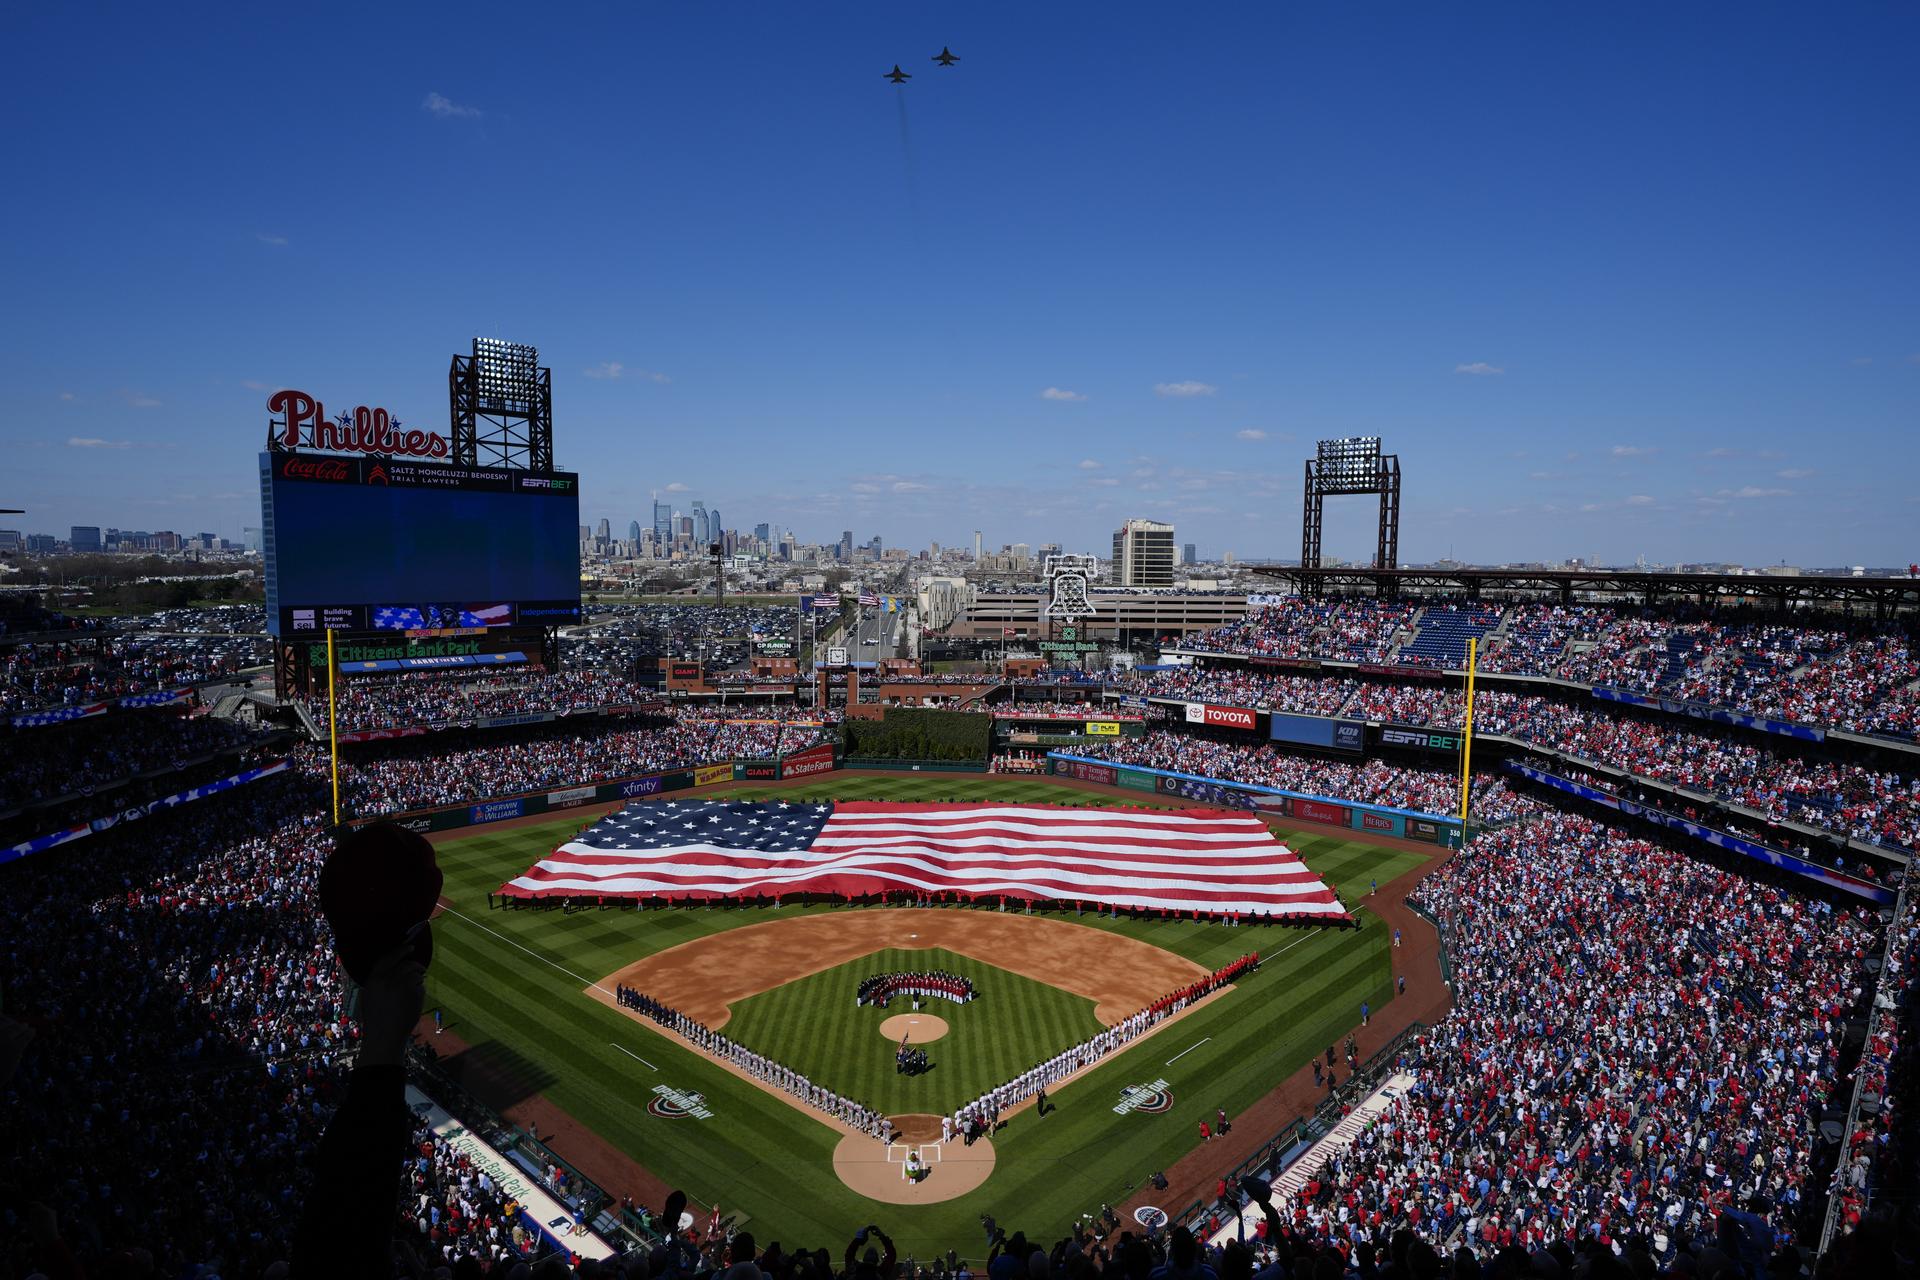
{"points": [[1611, 280]]}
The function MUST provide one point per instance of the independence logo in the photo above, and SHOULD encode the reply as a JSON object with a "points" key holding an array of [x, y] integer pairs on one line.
{"points": [[1152, 1099], [670, 1103]]}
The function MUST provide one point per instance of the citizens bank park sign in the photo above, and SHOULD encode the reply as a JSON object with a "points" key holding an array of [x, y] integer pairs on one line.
{"points": [[301, 422]]}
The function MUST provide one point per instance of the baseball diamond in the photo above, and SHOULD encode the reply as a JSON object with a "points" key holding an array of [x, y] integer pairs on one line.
{"points": [[780, 982]]}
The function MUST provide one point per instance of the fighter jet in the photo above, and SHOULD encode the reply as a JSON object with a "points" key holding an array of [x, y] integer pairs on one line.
{"points": [[946, 58], [897, 75]]}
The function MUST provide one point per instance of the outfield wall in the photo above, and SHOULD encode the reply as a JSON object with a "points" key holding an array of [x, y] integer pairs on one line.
{"points": [[1326, 811]]}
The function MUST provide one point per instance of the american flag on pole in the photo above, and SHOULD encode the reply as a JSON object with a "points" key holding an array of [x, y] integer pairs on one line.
{"points": [[868, 599], [1170, 859]]}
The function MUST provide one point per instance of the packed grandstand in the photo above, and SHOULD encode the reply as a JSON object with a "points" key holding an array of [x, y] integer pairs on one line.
{"points": [[1655, 1042]]}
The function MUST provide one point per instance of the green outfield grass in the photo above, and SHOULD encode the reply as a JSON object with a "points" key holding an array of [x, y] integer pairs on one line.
{"points": [[814, 1027], [511, 984]]}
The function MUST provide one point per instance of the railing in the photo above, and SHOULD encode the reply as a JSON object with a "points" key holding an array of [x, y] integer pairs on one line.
{"points": [[1446, 940], [423, 1069], [1310, 1129], [1831, 1226]]}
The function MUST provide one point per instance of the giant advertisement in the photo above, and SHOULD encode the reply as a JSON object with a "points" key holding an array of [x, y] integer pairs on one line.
{"points": [[1084, 770], [371, 543]]}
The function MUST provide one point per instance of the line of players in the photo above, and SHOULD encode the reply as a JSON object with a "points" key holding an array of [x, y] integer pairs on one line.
{"points": [[856, 1115], [934, 984], [982, 1115]]}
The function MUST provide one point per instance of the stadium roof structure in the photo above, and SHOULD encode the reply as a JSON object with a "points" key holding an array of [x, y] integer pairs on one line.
{"points": [[1886, 595]]}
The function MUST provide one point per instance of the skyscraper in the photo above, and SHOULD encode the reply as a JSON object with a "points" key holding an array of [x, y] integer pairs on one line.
{"points": [[846, 544], [603, 533], [700, 530], [1143, 554], [84, 537], [715, 530], [662, 522], [1189, 554], [976, 546], [633, 531]]}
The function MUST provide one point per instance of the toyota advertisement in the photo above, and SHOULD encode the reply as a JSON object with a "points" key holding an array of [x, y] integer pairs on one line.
{"points": [[1220, 717]]}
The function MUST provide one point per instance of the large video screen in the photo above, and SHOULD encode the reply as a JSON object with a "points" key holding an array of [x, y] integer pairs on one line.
{"points": [[378, 544], [1318, 731]]}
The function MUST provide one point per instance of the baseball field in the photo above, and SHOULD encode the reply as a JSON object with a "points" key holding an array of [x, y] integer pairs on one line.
{"points": [[527, 994]]}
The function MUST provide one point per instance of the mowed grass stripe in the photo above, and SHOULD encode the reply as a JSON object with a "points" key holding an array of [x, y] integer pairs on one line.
{"points": [[772, 1160]]}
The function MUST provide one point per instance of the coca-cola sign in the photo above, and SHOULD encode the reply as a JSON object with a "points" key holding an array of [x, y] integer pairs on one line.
{"points": [[336, 470], [302, 423]]}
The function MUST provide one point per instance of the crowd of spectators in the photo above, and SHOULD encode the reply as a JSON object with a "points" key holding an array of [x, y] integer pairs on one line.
{"points": [[188, 1022], [1647, 1044], [1364, 781], [47, 761], [1860, 677], [454, 1210], [1243, 687], [435, 697], [415, 773], [96, 668], [1362, 630], [621, 634]]}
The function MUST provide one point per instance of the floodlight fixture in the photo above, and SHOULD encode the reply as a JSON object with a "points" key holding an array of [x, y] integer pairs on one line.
{"points": [[1351, 465], [501, 403]]}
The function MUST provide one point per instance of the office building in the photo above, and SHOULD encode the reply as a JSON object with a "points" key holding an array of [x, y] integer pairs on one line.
{"points": [[1189, 554], [84, 537], [1143, 554]]}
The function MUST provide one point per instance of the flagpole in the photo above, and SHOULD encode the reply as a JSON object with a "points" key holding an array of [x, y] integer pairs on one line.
{"points": [[333, 730]]}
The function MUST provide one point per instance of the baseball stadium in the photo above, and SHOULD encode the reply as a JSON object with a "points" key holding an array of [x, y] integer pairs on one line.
{"points": [[494, 862]]}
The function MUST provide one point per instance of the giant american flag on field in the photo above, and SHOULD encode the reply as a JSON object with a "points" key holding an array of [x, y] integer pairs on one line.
{"points": [[1172, 859]]}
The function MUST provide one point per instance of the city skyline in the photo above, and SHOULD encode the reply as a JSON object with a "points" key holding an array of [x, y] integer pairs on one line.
{"points": [[1653, 301]]}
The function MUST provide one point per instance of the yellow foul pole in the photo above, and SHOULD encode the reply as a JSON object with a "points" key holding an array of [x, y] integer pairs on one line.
{"points": [[1466, 739], [333, 731]]}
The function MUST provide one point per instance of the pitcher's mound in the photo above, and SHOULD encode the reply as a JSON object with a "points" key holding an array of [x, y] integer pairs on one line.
{"points": [[879, 1171], [918, 1027]]}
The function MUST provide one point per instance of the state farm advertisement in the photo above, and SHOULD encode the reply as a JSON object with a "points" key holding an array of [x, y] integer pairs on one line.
{"points": [[1219, 717], [813, 760]]}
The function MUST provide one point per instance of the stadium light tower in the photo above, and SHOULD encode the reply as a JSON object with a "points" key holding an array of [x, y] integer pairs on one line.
{"points": [[1352, 464], [501, 404]]}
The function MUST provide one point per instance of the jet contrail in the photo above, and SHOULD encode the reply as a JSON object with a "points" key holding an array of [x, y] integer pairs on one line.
{"points": [[906, 158]]}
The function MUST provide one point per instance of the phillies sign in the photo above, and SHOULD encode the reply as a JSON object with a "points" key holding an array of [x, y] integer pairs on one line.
{"points": [[1229, 717], [303, 424]]}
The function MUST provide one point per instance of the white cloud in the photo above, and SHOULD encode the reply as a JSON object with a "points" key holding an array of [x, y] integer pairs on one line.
{"points": [[676, 487], [862, 486], [1639, 500], [1105, 482], [1754, 491], [66, 395], [608, 369], [1796, 473], [911, 486], [139, 400], [94, 442], [1633, 450], [1184, 389], [1088, 464], [1723, 452], [252, 384], [1250, 433], [447, 109], [278, 242], [652, 375], [1061, 393], [1479, 369]]}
